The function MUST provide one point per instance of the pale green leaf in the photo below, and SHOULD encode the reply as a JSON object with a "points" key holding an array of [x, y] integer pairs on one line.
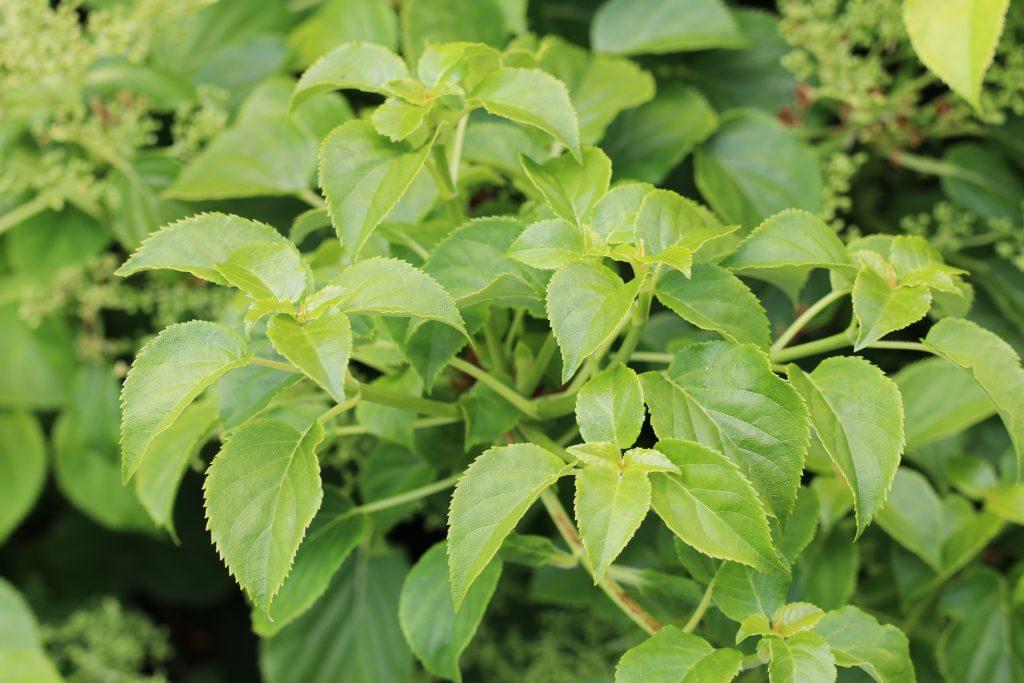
{"points": [[435, 632], [857, 413], [261, 493], [614, 215], [714, 299], [267, 270], [610, 407], [167, 375], [857, 639], [610, 504], [992, 363], [804, 657], [332, 536], [532, 97], [22, 657], [956, 39], [882, 307], [672, 655], [711, 506], [397, 119], [491, 497], [548, 244], [940, 400], [320, 348], [363, 175], [663, 26], [356, 65], [22, 468], [726, 397], [666, 220], [198, 243], [431, 22], [571, 187], [586, 303], [796, 617], [337, 22], [741, 592]]}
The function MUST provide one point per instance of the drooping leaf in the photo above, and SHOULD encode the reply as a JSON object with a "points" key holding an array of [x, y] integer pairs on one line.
{"points": [[663, 26], [992, 363], [571, 187], [364, 174], [435, 632], [726, 397], [319, 347], [22, 468], [262, 491], [956, 39], [672, 655], [711, 506], [490, 498], [857, 639], [167, 375], [714, 299], [857, 413], [610, 407], [611, 502], [586, 302], [356, 65]]}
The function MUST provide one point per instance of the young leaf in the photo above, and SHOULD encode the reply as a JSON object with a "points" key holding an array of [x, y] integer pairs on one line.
{"points": [[994, 365], [663, 26], [571, 187], [711, 506], [796, 617], [319, 347], [23, 464], [956, 39], [548, 244], [532, 97], [356, 65], [741, 592], [397, 119], [388, 287], [672, 655], [614, 215], [435, 632], [198, 243], [881, 308], [857, 639], [167, 375], [610, 504], [586, 304], [667, 220], [363, 175], [267, 270], [714, 299], [857, 415], [261, 492], [610, 407], [491, 497], [726, 397], [332, 536], [802, 657]]}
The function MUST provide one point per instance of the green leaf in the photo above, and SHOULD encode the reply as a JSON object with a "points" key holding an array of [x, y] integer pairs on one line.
{"points": [[197, 244], [982, 642], [168, 374], [36, 363], [22, 468], [388, 287], [992, 363], [714, 299], [586, 303], [491, 497], [726, 397], [802, 657], [672, 655], [826, 572], [357, 66], [571, 187], [159, 476], [712, 506], [336, 22], [914, 517], [548, 244], [956, 40], [600, 86], [610, 504], [610, 407], [22, 657], [786, 247], [741, 592], [431, 22], [261, 492], [982, 180], [796, 617], [662, 26], [332, 536], [882, 307], [534, 98], [614, 216], [940, 400], [266, 270], [667, 220], [647, 142], [397, 119], [363, 175], [487, 414], [857, 413], [319, 347], [754, 167], [857, 639], [352, 635], [436, 633]]}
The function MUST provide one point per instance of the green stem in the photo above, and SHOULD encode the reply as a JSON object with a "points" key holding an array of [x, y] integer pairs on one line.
{"points": [[555, 405], [407, 497], [641, 310], [903, 346], [494, 351], [813, 348], [395, 399], [540, 365], [943, 169], [23, 212], [702, 607], [460, 136], [651, 357], [524, 405], [422, 423], [812, 311], [276, 364], [310, 197]]}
